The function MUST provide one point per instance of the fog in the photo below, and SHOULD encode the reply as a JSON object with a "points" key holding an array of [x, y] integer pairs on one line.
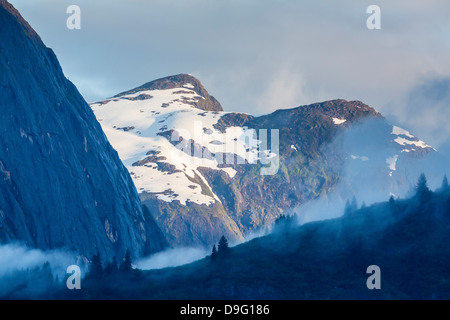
{"points": [[172, 258], [16, 257], [370, 173], [23, 274]]}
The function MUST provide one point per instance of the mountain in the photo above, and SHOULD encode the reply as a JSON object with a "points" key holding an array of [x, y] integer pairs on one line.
{"points": [[62, 185], [204, 172]]}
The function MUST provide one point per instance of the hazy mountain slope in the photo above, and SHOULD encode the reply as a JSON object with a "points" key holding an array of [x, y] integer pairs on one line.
{"points": [[202, 172], [61, 183]]}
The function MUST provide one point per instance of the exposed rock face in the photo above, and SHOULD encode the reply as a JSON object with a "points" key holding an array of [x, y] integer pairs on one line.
{"points": [[62, 185], [182, 81]]}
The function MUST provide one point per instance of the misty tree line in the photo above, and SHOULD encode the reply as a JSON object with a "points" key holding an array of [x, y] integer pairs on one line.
{"points": [[40, 280], [97, 270], [28, 283], [422, 193]]}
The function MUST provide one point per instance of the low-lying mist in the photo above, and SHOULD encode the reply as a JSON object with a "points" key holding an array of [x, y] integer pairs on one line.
{"points": [[27, 273], [375, 167], [16, 257], [172, 258]]}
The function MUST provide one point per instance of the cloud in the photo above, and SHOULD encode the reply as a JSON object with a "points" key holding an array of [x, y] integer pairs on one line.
{"points": [[171, 258], [284, 90], [328, 43], [15, 257]]}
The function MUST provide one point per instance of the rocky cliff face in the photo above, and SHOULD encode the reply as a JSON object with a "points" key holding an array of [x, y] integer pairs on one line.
{"points": [[199, 172], [61, 183]]}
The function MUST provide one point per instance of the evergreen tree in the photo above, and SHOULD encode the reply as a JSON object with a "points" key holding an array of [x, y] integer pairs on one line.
{"points": [[392, 205], [422, 190], [223, 247], [354, 204], [284, 223], [96, 269], [111, 267], [445, 183], [114, 264], [392, 201], [126, 264], [214, 253], [46, 273], [422, 184], [348, 208]]}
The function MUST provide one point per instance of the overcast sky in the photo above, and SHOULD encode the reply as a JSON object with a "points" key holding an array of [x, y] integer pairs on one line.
{"points": [[257, 56]]}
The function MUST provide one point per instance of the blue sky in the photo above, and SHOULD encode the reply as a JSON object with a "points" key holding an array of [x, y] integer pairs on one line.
{"points": [[257, 56]]}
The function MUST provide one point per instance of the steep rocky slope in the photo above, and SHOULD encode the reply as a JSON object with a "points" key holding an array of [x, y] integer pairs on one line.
{"points": [[61, 182]]}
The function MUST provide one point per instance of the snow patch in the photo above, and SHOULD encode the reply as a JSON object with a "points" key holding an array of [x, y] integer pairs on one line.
{"points": [[399, 131], [230, 171], [404, 138], [392, 162], [339, 121], [189, 85], [417, 143]]}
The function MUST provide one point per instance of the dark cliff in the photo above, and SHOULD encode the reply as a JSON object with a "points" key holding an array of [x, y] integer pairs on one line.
{"points": [[61, 182]]}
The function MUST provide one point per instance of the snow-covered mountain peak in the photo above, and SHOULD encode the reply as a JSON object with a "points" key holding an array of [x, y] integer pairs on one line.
{"points": [[155, 130], [182, 82]]}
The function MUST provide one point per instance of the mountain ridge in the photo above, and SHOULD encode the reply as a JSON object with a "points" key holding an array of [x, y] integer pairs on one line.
{"points": [[191, 165]]}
